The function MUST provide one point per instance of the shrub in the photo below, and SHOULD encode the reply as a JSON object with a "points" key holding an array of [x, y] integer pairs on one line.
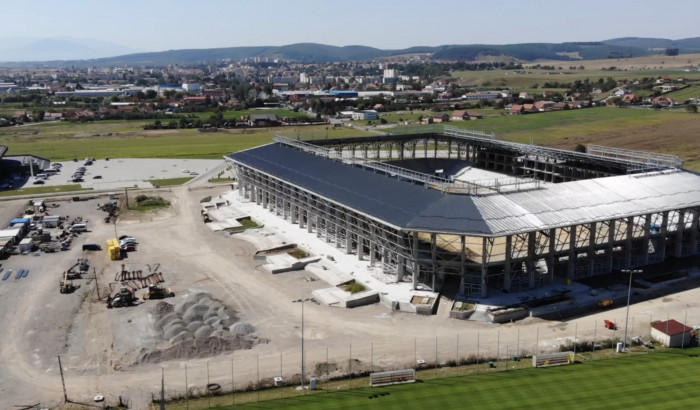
{"points": [[355, 287], [206, 199]]}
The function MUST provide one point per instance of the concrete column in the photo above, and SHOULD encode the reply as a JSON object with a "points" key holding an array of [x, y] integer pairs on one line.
{"points": [[484, 268], [694, 232], [372, 253], [530, 261], [507, 263], [663, 234], [628, 242], [591, 247], [552, 251], [680, 227], [348, 239], [647, 232], [572, 254], [400, 269], [416, 266], [360, 247], [309, 221]]}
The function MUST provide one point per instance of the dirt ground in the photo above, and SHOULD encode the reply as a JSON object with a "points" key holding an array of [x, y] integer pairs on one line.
{"points": [[99, 347], [677, 138]]}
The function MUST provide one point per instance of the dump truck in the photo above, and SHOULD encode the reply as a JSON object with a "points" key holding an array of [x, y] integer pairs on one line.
{"points": [[158, 292]]}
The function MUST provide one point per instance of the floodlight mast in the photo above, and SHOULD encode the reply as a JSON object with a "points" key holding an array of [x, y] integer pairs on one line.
{"points": [[629, 294]]}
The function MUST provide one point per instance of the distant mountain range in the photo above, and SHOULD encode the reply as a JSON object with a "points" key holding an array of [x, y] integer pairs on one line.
{"points": [[63, 52], [59, 48]]}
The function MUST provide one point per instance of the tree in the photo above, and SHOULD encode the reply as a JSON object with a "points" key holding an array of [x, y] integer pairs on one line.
{"points": [[580, 148], [692, 108], [151, 94]]}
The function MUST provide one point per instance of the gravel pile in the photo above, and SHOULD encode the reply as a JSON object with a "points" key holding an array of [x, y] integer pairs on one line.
{"points": [[198, 316]]}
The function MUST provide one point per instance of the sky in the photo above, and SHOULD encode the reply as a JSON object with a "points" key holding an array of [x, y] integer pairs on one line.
{"points": [[157, 25]]}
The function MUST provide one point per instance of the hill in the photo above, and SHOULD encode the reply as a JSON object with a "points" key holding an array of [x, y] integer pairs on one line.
{"points": [[684, 46], [312, 52]]}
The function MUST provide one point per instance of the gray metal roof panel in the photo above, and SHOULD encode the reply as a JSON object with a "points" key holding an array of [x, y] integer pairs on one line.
{"points": [[399, 203], [413, 207]]}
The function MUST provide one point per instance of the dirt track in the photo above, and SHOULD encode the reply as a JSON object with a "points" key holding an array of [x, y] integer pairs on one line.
{"points": [[97, 344]]}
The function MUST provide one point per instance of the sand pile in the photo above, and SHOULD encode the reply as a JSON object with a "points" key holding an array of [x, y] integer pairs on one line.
{"points": [[198, 326]]}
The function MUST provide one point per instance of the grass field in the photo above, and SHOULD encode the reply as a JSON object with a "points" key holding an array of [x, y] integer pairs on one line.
{"points": [[44, 190], [545, 127], [64, 141], [664, 380]]}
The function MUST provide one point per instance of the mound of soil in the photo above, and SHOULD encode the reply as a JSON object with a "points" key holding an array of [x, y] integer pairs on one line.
{"points": [[198, 348]]}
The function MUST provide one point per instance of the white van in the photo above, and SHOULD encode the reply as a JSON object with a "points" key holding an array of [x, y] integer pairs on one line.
{"points": [[78, 228], [41, 176], [50, 171]]}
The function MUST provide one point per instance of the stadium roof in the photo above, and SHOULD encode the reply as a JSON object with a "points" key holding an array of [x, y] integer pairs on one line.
{"points": [[410, 206]]}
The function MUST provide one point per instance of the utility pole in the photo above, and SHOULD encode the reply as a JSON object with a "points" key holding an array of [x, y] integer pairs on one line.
{"points": [[97, 287], [302, 345], [63, 381]]}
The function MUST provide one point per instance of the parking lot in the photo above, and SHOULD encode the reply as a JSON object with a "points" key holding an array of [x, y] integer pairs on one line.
{"points": [[102, 174]]}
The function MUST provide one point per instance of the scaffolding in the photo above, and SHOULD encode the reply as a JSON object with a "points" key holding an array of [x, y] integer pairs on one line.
{"points": [[515, 261]]}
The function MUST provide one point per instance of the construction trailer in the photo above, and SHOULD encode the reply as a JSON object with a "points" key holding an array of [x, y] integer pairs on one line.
{"points": [[548, 213]]}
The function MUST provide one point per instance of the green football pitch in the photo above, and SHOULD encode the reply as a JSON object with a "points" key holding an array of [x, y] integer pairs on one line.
{"points": [[664, 380]]}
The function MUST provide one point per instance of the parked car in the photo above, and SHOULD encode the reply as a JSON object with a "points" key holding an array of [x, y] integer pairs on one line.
{"points": [[77, 179], [194, 173], [91, 247], [185, 171], [97, 177], [128, 241], [6, 185], [125, 236], [39, 182], [128, 248]]}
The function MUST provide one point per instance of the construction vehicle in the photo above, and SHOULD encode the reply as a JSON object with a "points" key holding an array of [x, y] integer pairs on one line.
{"points": [[605, 303], [125, 297], [66, 285], [158, 292], [82, 266], [609, 324]]}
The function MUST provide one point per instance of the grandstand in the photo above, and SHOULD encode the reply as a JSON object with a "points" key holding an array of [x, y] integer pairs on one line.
{"points": [[446, 204]]}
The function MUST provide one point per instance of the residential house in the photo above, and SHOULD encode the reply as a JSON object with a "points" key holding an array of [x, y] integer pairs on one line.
{"points": [[629, 98], [663, 101], [459, 115], [262, 120]]}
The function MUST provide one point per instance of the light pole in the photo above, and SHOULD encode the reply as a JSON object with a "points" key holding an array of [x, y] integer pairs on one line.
{"points": [[302, 345], [629, 294]]}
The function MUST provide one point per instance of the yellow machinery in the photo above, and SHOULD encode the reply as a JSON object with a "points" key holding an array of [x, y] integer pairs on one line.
{"points": [[113, 249]]}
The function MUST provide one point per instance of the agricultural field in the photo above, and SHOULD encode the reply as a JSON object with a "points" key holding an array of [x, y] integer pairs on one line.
{"points": [[663, 131], [634, 382], [64, 141], [630, 68]]}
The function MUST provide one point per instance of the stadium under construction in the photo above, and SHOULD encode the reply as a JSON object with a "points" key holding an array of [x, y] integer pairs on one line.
{"points": [[459, 205]]}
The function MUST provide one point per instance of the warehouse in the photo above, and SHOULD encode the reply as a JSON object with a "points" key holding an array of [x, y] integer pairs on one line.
{"points": [[465, 208]]}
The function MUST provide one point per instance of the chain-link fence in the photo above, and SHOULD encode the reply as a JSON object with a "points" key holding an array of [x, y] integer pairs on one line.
{"points": [[266, 375]]}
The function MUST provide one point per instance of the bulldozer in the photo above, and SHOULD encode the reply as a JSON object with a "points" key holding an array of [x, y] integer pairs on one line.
{"points": [[158, 292], [125, 297]]}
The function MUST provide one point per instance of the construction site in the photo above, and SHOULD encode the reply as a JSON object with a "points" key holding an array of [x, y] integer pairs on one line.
{"points": [[462, 208], [401, 237]]}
